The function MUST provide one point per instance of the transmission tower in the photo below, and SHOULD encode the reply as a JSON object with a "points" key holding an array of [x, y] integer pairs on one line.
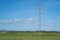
{"points": [[39, 18]]}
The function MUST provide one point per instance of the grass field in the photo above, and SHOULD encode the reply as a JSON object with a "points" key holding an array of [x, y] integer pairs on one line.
{"points": [[30, 36]]}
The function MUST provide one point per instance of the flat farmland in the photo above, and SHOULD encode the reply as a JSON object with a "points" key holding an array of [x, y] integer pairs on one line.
{"points": [[30, 36]]}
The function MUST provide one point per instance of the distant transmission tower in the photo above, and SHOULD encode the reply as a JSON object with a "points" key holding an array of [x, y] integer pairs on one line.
{"points": [[39, 16], [39, 19]]}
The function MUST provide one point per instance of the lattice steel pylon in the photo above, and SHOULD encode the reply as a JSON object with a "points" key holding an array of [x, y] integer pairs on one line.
{"points": [[39, 19], [39, 16]]}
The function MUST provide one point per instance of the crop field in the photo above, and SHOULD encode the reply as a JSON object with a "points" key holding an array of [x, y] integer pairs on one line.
{"points": [[30, 36]]}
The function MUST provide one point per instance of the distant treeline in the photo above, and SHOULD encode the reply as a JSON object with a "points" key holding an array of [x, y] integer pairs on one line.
{"points": [[27, 31]]}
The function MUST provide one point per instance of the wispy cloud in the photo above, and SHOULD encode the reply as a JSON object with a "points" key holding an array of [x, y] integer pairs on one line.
{"points": [[25, 22], [29, 21], [10, 21]]}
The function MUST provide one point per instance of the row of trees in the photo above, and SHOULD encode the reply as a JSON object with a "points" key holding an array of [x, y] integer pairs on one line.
{"points": [[3, 31]]}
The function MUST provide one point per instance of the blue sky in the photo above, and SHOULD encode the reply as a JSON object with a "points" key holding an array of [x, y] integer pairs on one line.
{"points": [[23, 15]]}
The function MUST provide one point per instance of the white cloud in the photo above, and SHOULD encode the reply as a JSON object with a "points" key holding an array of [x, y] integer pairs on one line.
{"points": [[5, 21], [16, 20], [29, 20], [10, 21]]}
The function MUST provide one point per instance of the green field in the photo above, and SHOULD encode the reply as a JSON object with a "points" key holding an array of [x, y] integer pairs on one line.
{"points": [[30, 36]]}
